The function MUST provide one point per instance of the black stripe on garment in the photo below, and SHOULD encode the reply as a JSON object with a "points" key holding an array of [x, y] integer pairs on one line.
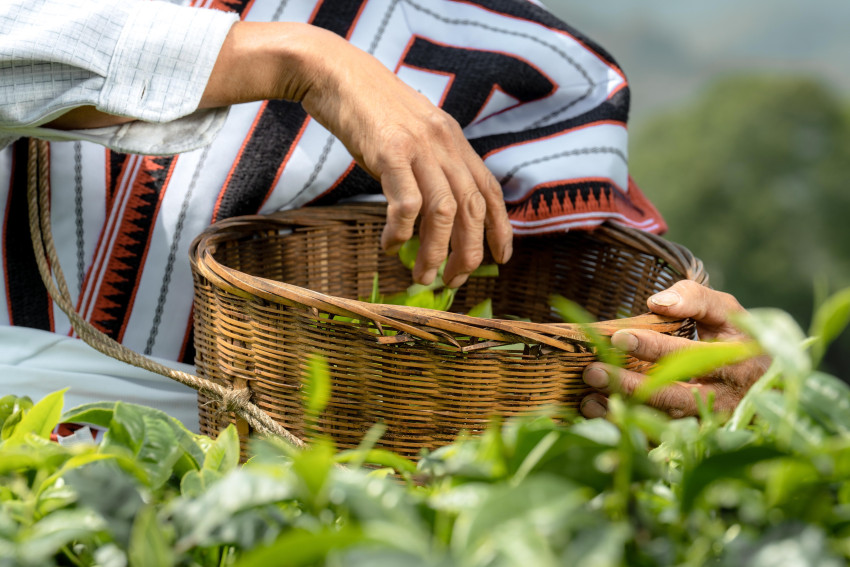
{"points": [[476, 73], [615, 109], [528, 11], [276, 130], [29, 304]]}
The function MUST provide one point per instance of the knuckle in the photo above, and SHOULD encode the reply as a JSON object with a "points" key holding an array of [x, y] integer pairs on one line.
{"points": [[443, 209], [439, 123], [399, 146], [407, 208], [474, 206]]}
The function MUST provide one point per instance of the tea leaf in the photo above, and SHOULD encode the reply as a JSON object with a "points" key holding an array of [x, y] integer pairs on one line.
{"points": [[731, 465], [148, 438], [483, 309], [96, 413], [572, 312], [317, 385], [485, 271], [56, 530], [829, 320], [40, 419], [148, 545], [380, 457], [693, 362], [408, 251], [827, 400], [223, 454], [779, 336], [299, 547]]}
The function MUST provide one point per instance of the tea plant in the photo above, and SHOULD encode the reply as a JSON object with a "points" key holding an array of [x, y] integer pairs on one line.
{"points": [[764, 486]]}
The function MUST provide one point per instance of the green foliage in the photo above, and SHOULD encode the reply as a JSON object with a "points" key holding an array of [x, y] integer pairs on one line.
{"points": [[636, 490], [752, 177]]}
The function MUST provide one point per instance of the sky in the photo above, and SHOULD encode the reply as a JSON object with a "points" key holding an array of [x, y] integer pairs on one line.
{"points": [[669, 50]]}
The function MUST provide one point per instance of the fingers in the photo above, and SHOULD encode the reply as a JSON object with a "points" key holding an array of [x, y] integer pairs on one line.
{"points": [[686, 298], [456, 199], [677, 399], [594, 405], [650, 345], [403, 204]]}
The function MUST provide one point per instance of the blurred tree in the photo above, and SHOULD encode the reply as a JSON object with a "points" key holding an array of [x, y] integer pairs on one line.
{"points": [[754, 178]]}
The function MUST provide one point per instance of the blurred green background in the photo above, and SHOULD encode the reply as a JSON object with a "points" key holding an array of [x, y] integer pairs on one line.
{"points": [[740, 134]]}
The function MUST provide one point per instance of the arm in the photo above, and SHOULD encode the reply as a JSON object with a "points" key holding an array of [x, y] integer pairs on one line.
{"points": [[711, 310], [417, 151]]}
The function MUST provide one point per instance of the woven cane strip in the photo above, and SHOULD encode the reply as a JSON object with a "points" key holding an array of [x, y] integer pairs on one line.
{"points": [[442, 373]]}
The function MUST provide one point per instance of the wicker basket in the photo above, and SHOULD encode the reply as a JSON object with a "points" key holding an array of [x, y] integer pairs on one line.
{"points": [[272, 290]]}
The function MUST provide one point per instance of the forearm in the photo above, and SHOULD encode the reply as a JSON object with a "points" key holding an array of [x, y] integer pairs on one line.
{"points": [[257, 61]]}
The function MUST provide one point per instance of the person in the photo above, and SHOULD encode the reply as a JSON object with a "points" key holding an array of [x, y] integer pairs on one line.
{"points": [[264, 105]]}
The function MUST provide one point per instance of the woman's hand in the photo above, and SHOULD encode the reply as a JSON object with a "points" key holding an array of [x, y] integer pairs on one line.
{"points": [[418, 152], [711, 310]]}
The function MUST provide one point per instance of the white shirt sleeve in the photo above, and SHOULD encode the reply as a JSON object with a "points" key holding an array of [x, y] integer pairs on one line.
{"points": [[146, 60]]}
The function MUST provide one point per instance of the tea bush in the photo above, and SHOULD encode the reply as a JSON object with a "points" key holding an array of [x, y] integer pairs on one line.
{"points": [[764, 486]]}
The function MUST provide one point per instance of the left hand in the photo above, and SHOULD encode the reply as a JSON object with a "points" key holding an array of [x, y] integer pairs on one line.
{"points": [[711, 310]]}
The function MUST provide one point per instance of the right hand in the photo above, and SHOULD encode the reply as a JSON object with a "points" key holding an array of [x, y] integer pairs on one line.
{"points": [[418, 152]]}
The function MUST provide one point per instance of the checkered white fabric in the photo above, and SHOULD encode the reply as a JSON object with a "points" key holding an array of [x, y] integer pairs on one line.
{"points": [[148, 60]]}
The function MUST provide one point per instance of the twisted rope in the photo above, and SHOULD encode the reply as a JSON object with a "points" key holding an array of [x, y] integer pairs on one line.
{"points": [[38, 196]]}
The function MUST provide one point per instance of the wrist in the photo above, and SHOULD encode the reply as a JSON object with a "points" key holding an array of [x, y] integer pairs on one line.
{"points": [[276, 60]]}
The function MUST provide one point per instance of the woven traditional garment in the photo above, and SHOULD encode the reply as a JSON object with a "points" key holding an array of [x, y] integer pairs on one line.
{"points": [[543, 105]]}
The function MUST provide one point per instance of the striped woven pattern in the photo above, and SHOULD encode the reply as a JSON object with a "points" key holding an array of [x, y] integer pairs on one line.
{"points": [[270, 291]]}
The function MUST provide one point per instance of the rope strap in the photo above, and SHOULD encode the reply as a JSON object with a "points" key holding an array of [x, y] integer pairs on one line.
{"points": [[38, 195]]}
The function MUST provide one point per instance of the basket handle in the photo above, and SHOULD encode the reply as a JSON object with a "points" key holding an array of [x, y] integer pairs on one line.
{"points": [[38, 191]]}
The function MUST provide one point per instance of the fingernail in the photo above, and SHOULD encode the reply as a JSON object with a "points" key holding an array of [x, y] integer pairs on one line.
{"points": [[428, 276], [625, 341], [665, 298], [457, 281], [595, 377], [592, 409], [507, 252]]}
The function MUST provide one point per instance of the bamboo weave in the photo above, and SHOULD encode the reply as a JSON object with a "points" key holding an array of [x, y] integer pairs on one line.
{"points": [[270, 291]]}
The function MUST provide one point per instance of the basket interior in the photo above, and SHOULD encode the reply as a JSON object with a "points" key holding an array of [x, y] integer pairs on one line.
{"points": [[609, 280]]}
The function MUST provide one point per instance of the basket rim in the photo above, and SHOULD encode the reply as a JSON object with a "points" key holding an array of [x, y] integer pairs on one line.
{"points": [[428, 324]]}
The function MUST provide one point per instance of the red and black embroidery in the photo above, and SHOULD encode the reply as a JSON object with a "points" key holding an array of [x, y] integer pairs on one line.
{"points": [[111, 285]]}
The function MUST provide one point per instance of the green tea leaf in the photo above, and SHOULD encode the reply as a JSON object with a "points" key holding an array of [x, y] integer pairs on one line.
{"points": [[202, 520], [56, 530], [146, 436], [380, 457], [223, 454], [827, 399], [693, 362], [572, 312], [829, 321], [774, 409], [732, 465], [298, 547], [485, 271], [779, 336], [408, 251], [96, 413], [375, 296], [41, 419], [149, 547], [483, 309], [317, 385]]}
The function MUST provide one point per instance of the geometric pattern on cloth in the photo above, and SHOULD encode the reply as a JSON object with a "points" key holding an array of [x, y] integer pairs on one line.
{"points": [[543, 105]]}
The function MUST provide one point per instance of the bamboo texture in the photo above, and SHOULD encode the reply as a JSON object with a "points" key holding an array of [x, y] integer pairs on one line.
{"points": [[270, 291]]}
